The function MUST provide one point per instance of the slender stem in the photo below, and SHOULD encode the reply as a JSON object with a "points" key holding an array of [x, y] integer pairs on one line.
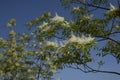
{"points": [[89, 69], [92, 5], [118, 1], [103, 39], [102, 71], [108, 38]]}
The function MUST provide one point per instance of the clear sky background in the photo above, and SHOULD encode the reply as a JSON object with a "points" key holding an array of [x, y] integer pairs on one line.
{"points": [[26, 10]]}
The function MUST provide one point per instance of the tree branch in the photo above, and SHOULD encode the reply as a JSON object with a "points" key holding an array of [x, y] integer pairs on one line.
{"points": [[92, 5], [118, 1], [108, 38], [103, 39], [102, 71], [115, 32], [89, 69]]}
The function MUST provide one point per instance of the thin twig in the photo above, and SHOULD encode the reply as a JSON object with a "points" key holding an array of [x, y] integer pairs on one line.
{"points": [[108, 38], [92, 5], [89, 69]]}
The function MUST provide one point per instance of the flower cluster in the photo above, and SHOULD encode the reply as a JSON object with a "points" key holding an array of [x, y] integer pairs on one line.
{"points": [[57, 18], [12, 22], [44, 26], [80, 40], [49, 43], [112, 8], [12, 33], [75, 8]]}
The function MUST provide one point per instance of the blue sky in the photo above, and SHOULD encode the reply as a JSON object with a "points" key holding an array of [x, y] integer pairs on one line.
{"points": [[26, 10]]}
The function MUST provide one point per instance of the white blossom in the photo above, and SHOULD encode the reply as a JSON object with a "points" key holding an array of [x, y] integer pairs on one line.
{"points": [[44, 26], [34, 45], [117, 27], [47, 58], [57, 18], [54, 67], [112, 8], [76, 8], [36, 52], [49, 43], [65, 24], [80, 40], [12, 33], [41, 52], [40, 43], [89, 16], [17, 64], [29, 70], [9, 25]]}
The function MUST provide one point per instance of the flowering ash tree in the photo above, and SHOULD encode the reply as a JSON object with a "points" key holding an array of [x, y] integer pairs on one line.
{"points": [[54, 42]]}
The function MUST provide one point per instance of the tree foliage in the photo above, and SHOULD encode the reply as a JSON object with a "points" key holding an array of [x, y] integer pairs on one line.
{"points": [[54, 42]]}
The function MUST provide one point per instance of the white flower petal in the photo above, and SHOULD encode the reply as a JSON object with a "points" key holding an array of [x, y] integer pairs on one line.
{"points": [[57, 18], [49, 43], [80, 40], [76, 8], [112, 7], [44, 26]]}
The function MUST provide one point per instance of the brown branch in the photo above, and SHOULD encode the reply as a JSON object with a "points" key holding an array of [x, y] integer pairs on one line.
{"points": [[103, 39], [115, 32], [108, 38], [102, 71], [76, 67], [92, 5], [89, 69]]}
